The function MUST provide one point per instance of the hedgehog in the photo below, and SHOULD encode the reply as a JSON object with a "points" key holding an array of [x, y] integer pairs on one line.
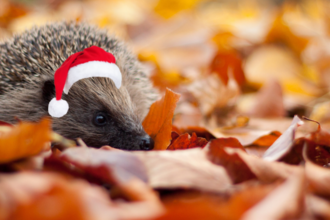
{"points": [[99, 114]]}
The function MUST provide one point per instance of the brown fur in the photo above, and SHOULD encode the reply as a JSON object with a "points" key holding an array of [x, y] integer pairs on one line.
{"points": [[27, 65]]}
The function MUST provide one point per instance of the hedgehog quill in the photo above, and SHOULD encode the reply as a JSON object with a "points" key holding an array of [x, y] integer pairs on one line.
{"points": [[86, 80]]}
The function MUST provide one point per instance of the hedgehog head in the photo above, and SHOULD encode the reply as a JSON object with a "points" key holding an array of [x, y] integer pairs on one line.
{"points": [[100, 114]]}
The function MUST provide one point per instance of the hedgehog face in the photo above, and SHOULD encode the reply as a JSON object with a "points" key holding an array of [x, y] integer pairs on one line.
{"points": [[100, 114]]}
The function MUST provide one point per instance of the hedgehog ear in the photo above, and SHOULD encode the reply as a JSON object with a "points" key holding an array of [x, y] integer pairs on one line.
{"points": [[48, 90]]}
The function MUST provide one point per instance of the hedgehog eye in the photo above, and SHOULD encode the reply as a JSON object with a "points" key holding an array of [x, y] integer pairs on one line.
{"points": [[100, 119]]}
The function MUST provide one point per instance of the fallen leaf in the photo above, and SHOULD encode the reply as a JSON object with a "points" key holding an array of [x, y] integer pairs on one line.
{"points": [[236, 168], [185, 141], [211, 93], [114, 167], [170, 80], [285, 202], [168, 9], [207, 206], [228, 62], [187, 169], [267, 140], [243, 166], [255, 128], [318, 177], [320, 136], [280, 32], [28, 195], [284, 143], [25, 140], [158, 122], [319, 207], [199, 131]]}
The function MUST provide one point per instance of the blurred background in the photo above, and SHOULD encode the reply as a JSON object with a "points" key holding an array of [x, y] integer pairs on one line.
{"points": [[232, 61]]}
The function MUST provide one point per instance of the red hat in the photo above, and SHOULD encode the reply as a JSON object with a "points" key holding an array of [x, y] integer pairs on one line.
{"points": [[91, 62]]}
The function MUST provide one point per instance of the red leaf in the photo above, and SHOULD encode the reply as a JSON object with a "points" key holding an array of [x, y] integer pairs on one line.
{"points": [[184, 141]]}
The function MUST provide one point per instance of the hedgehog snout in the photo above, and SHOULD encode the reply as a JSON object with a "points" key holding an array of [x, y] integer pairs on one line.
{"points": [[146, 143]]}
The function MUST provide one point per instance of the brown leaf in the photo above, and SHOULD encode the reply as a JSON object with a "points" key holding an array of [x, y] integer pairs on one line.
{"points": [[25, 140], [184, 141], [318, 178], [226, 62], [114, 167], [211, 93], [236, 168], [320, 136], [158, 122], [243, 166], [285, 202], [183, 169]]}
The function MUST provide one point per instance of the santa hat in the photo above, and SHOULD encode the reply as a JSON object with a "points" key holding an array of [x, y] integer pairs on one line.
{"points": [[91, 62]]}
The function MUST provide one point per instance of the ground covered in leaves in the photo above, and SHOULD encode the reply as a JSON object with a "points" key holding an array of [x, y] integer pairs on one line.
{"points": [[241, 130]]}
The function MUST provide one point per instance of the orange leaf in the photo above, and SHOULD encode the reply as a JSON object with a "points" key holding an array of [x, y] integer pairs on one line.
{"points": [[206, 206], [65, 205], [267, 140], [226, 61], [10, 12], [158, 122], [24, 140], [184, 141]]}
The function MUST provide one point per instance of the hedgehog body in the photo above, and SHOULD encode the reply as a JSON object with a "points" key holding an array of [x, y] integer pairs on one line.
{"points": [[99, 113]]}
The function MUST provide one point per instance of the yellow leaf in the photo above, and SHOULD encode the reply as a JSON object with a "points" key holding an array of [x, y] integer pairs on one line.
{"points": [[280, 33], [169, 8], [158, 122]]}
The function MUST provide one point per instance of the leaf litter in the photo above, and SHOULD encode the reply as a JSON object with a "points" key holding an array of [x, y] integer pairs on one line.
{"points": [[230, 139]]}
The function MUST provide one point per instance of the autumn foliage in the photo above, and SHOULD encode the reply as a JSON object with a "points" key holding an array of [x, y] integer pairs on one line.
{"points": [[241, 128]]}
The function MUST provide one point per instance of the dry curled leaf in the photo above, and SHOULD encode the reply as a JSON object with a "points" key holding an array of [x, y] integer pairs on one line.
{"points": [[236, 168], [284, 143], [113, 167], [184, 169], [185, 141], [158, 122]]}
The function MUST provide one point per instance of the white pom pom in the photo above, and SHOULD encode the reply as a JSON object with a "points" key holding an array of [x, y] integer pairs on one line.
{"points": [[58, 108]]}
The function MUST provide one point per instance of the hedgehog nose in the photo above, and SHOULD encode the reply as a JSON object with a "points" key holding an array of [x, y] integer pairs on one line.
{"points": [[146, 143]]}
